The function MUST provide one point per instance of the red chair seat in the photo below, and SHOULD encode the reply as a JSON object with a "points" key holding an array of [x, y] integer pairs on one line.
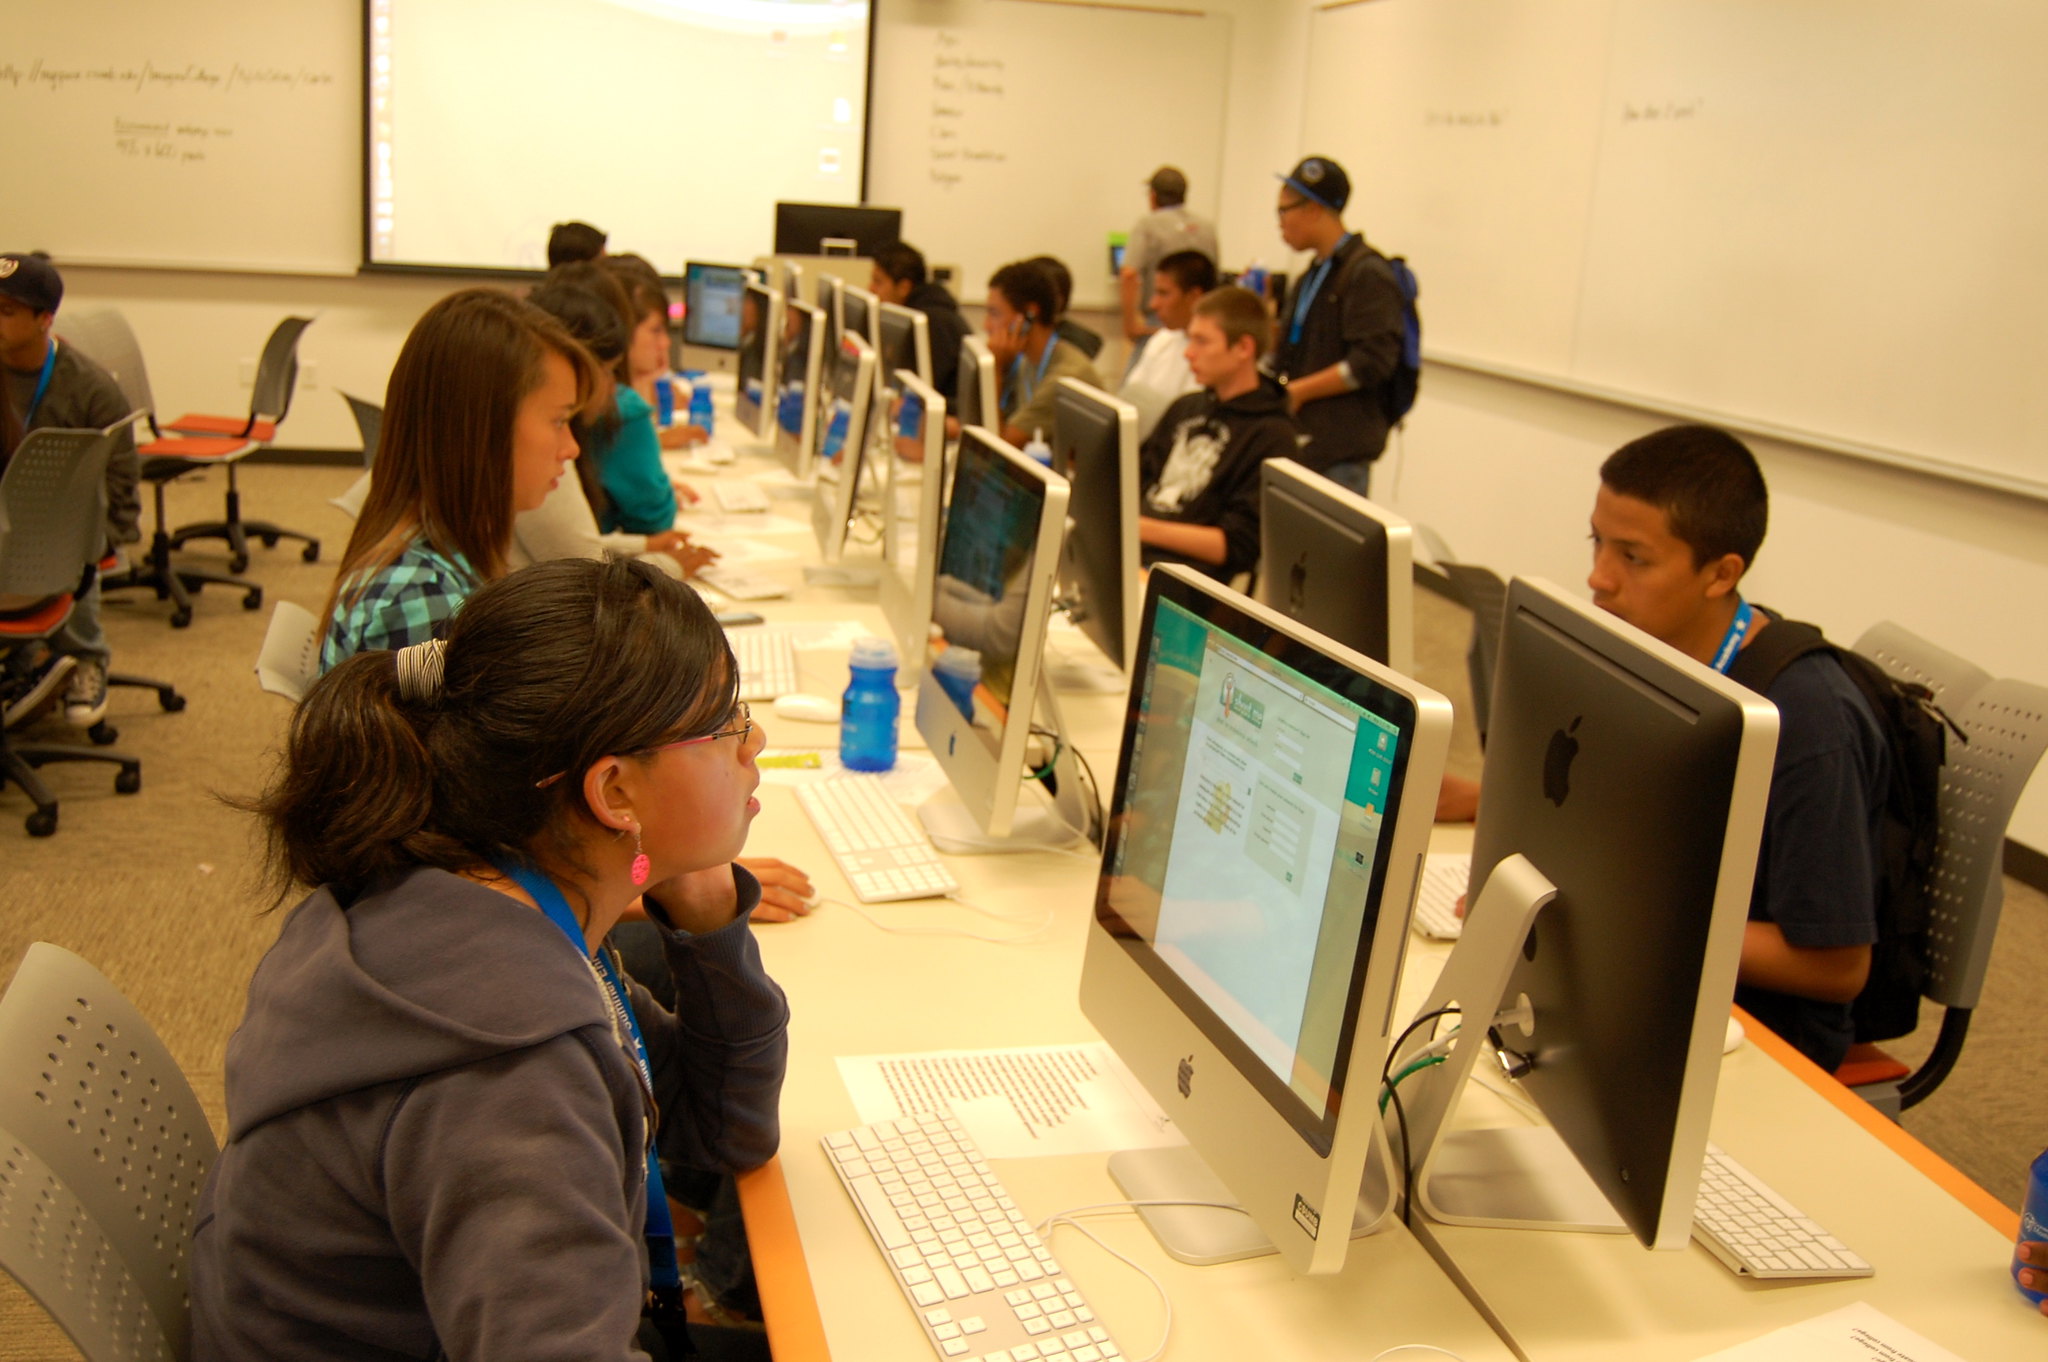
{"points": [[1866, 1064], [260, 431], [35, 619], [198, 448]]}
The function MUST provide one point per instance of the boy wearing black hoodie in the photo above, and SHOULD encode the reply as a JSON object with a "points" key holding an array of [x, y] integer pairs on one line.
{"points": [[1200, 465]]}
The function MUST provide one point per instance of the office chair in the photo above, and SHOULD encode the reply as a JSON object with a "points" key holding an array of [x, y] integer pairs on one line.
{"points": [[53, 499], [277, 375], [105, 335], [369, 423], [2005, 723], [107, 1149]]}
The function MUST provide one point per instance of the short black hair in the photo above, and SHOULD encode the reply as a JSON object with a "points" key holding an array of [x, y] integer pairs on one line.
{"points": [[1027, 286], [1191, 270], [1705, 481], [902, 262], [1238, 312], [1062, 282], [569, 241]]}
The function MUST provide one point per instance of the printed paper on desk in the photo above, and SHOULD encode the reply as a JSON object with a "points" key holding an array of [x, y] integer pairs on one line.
{"points": [[1018, 1102], [1854, 1333], [747, 522], [732, 552]]}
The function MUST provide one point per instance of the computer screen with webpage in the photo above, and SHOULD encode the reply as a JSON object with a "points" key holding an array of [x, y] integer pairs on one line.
{"points": [[711, 297]]}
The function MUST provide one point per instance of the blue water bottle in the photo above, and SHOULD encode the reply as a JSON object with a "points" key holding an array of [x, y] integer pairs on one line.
{"points": [[2033, 1223], [665, 400], [700, 405], [868, 715]]}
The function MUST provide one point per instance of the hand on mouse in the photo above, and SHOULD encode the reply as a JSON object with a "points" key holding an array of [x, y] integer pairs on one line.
{"points": [[786, 892]]}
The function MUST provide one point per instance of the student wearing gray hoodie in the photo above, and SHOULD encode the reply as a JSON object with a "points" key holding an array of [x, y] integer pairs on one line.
{"points": [[440, 1103]]}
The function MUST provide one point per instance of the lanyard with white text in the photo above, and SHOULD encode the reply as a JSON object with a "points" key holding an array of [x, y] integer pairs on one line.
{"points": [[42, 383], [661, 1234], [1731, 642], [1043, 361], [1309, 286]]}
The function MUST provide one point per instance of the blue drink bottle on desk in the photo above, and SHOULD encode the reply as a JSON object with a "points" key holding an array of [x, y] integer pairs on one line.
{"points": [[2033, 1228], [665, 400], [700, 406], [868, 715]]}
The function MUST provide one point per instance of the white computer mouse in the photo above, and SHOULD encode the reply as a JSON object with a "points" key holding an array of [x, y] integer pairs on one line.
{"points": [[1733, 1037], [813, 709]]}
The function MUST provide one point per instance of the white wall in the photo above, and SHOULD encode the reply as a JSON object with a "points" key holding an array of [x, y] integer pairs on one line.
{"points": [[1505, 472]]}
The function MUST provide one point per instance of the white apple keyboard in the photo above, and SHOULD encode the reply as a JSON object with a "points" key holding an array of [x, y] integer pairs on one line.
{"points": [[736, 496], [1444, 875], [983, 1285], [1757, 1233], [742, 586], [767, 659], [880, 849]]}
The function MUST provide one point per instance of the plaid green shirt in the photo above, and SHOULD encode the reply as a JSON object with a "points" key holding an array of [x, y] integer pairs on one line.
{"points": [[408, 602]]}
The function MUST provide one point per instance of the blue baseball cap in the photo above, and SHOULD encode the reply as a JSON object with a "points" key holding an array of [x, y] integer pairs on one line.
{"points": [[1321, 179]]}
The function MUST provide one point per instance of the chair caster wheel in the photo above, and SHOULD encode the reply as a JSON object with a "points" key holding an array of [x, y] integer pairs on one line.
{"points": [[129, 781], [269, 540], [239, 564], [171, 701], [311, 553], [254, 600], [181, 619], [42, 823], [103, 734]]}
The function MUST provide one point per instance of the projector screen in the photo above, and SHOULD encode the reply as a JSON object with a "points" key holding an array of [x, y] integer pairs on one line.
{"points": [[672, 125]]}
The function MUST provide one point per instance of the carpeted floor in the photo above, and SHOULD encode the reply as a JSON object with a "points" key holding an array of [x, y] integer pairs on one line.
{"points": [[159, 889]]}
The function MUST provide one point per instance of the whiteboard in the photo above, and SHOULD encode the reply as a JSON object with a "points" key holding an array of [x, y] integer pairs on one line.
{"points": [[1011, 128], [218, 133], [1822, 218]]}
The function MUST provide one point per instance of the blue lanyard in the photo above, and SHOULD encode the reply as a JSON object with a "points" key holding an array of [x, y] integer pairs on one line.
{"points": [[661, 1233], [42, 384], [1309, 287], [1045, 359], [1731, 642]]}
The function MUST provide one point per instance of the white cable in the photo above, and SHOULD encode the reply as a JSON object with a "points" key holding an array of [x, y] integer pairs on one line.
{"points": [[1035, 933], [1045, 1227], [1416, 1348]]}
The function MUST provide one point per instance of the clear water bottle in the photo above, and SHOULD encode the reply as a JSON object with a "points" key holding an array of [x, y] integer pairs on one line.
{"points": [[868, 714], [700, 406], [1038, 449], [1254, 278], [2034, 1226]]}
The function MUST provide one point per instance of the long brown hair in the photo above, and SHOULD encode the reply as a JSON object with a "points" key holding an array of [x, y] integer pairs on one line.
{"points": [[545, 671], [444, 458]]}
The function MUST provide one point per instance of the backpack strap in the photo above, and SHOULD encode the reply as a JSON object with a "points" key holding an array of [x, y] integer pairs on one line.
{"points": [[1774, 648]]}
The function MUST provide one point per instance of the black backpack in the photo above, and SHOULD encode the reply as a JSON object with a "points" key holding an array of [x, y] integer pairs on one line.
{"points": [[1916, 739]]}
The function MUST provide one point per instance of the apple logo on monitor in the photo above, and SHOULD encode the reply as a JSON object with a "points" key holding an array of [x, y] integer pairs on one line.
{"points": [[1186, 1075], [1557, 763]]}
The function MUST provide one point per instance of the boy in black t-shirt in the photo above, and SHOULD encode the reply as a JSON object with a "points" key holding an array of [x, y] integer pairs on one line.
{"points": [[1200, 465]]}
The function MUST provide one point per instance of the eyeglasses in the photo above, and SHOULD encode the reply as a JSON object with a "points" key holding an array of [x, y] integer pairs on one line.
{"points": [[742, 732], [1284, 209]]}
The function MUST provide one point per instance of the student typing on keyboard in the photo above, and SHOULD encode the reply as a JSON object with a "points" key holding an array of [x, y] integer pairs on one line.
{"points": [[441, 1099]]}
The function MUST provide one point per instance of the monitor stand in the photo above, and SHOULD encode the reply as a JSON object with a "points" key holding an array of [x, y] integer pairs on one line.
{"points": [[1518, 1177], [1219, 1233], [1072, 813]]}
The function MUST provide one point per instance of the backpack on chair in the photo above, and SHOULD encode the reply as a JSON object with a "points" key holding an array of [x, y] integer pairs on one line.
{"points": [[1916, 739]]}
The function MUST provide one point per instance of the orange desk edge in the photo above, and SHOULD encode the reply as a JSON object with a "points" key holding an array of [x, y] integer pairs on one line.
{"points": [[796, 1333]]}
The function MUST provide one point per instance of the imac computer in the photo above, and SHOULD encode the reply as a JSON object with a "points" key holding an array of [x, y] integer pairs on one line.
{"points": [[1095, 448], [1336, 562], [760, 350], [848, 402], [857, 308], [1612, 867], [805, 228], [911, 511], [796, 405], [990, 721], [1273, 801], [975, 401], [829, 285], [903, 341]]}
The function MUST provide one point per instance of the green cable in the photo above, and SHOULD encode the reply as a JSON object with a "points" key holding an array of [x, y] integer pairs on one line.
{"points": [[1387, 1089]]}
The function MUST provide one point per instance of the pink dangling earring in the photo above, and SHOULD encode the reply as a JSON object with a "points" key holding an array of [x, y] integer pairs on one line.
{"points": [[641, 865]]}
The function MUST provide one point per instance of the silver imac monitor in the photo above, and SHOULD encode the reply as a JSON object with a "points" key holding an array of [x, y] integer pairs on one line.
{"points": [[1612, 867], [857, 309], [1095, 448], [984, 710], [974, 404], [829, 286], [796, 406], [903, 340], [793, 282], [1340, 564], [848, 409], [711, 314], [911, 511], [1273, 801], [753, 403]]}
